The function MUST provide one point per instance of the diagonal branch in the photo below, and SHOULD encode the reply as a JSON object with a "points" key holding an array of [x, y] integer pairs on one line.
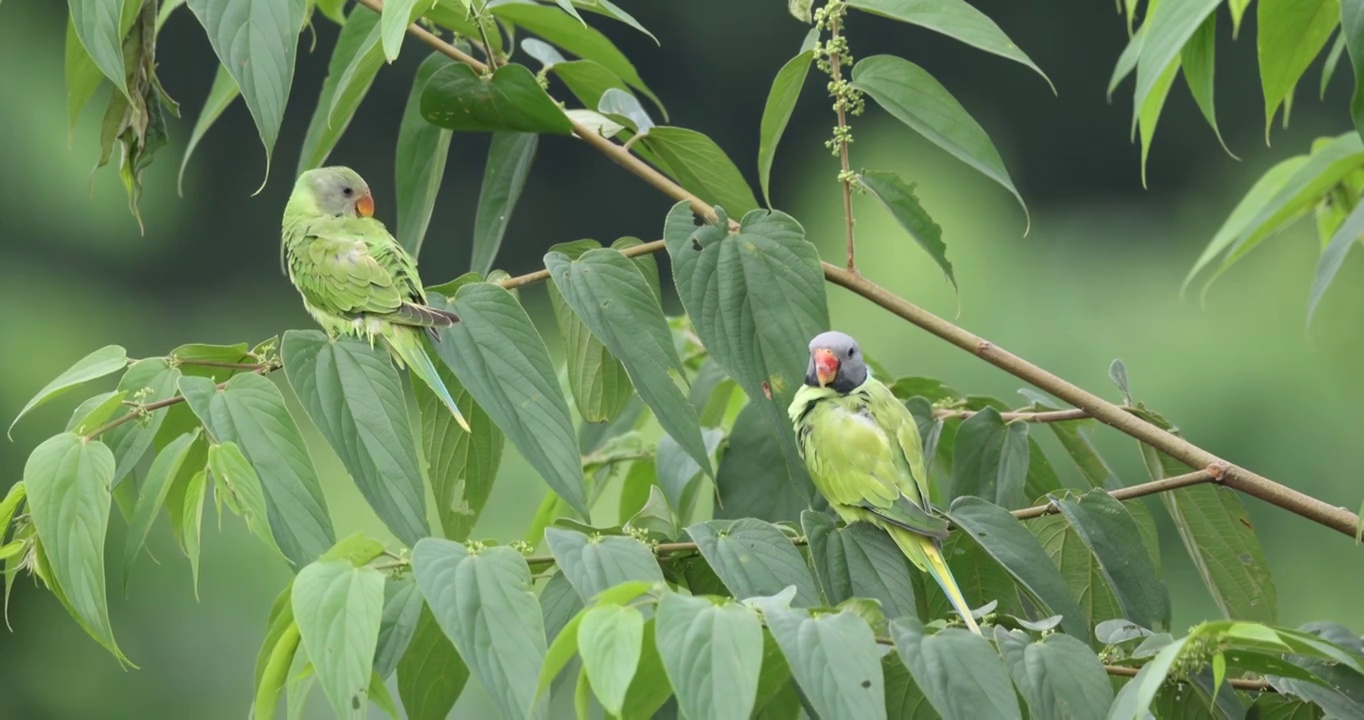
{"points": [[1337, 518]]}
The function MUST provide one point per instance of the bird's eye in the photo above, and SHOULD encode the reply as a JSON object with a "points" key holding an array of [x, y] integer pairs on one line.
{"points": [[852, 352], [347, 192]]}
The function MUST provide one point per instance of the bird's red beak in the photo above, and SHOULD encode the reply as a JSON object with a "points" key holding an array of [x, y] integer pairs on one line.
{"points": [[826, 366], [364, 206]]}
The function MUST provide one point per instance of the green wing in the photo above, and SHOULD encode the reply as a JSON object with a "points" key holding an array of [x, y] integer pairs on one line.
{"points": [[899, 422], [353, 267]]}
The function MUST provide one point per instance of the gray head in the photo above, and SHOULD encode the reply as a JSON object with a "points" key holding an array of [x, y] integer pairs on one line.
{"points": [[337, 191], [835, 362]]}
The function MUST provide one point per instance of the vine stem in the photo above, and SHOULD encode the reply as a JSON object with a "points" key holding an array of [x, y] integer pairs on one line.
{"points": [[1337, 518]]}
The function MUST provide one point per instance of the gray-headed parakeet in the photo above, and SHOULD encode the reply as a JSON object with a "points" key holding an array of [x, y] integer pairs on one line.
{"points": [[356, 279], [862, 447]]}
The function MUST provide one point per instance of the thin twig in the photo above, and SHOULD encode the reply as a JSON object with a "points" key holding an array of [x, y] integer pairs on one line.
{"points": [[1128, 493], [1049, 416], [1337, 518], [1260, 685], [215, 364]]}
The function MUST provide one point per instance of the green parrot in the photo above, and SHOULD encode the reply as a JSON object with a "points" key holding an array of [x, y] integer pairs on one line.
{"points": [[356, 279], [862, 447]]}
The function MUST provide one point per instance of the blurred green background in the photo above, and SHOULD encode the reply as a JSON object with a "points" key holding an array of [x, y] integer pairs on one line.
{"points": [[1096, 278]]}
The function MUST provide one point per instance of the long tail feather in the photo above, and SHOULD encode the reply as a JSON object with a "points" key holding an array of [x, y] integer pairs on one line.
{"points": [[924, 552], [407, 345]]}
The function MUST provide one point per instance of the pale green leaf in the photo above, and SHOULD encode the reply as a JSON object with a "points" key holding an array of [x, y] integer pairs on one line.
{"points": [[257, 41], [1059, 676], [95, 411], [859, 560], [504, 177], [609, 641], [237, 485], [338, 608], [485, 604], [354, 396], [990, 459], [593, 565], [500, 358], [700, 166], [146, 381], [754, 558], [419, 161], [462, 465], [68, 482], [456, 98], [834, 660], [897, 197], [1289, 35], [106, 360], [402, 610], [251, 413], [351, 70], [957, 671], [1112, 535], [781, 101], [152, 495], [97, 25], [712, 653]]}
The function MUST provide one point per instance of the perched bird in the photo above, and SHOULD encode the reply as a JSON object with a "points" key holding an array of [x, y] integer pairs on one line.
{"points": [[356, 279], [862, 447]]}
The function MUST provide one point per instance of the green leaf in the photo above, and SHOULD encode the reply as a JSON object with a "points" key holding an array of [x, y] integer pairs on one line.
{"points": [[202, 359], [106, 360], [753, 296], [354, 395], [1273, 706], [598, 381], [1059, 676], [236, 484], [1164, 33], [97, 25], [588, 80], [397, 15], [753, 478], [712, 653], [611, 296], [500, 358], [256, 40], [1352, 32], [1198, 60], [956, 19], [859, 560], [559, 603], [622, 106], [571, 35], [67, 482], [1149, 114], [147, 381], [191, 522], [897, 197], [354, 63], [338, 608], [904, 699], [649, 689], [609, 9], [1082, 572], [1012, 546], [916, 99], [1220, 538], [700, 166], [402, 610], [95, 411], [485, 604], [834, 660], [754, 559], [82, 76], [1134, 700], [609, 639], [462, 465], [678, 472], [1238, 10], [1239, 222], [781, 101], [250, 412], [1334, 256], [277, 652], [220, 96], [420, 161], [990, 459], [504, 176], [1290, 34], [431, 674], [1112, 535], [593, 565], [957, 671], [151, 496], [456, 98]]}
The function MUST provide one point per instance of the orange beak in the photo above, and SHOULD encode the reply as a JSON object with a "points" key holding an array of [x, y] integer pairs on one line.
{"points": [[826, 366], [364, 206]]}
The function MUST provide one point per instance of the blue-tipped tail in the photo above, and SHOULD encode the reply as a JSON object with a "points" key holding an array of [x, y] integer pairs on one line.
{"points": [[407, 345]]}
